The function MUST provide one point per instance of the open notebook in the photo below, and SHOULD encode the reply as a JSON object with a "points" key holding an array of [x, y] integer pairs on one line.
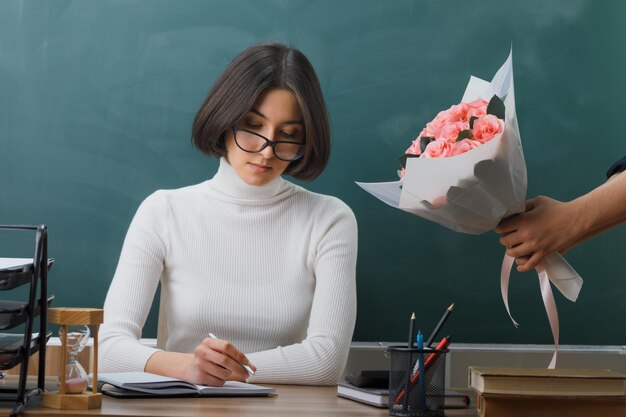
{"points": [[143, 384]]}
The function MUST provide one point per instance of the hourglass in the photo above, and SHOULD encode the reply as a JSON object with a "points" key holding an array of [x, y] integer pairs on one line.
{"points": [[74, 333], [76, 379]]}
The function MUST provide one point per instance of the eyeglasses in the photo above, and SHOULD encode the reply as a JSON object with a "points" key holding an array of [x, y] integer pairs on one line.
{"points": [[252, 142]]}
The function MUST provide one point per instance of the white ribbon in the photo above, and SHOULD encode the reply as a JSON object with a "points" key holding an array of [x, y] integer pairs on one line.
{"points": [[553, 268]]}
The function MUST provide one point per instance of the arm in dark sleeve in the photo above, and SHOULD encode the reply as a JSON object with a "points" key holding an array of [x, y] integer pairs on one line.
{"points": [[617, 167]]}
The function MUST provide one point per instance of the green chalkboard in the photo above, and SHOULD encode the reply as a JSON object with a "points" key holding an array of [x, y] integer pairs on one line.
{"points": [[97, 99]]}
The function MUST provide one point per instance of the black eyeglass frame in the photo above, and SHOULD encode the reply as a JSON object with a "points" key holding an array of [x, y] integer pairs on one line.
{"points": [[269, 143]]}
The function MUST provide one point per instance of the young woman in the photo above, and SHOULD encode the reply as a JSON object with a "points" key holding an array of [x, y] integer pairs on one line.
{"points": [[261, 263]]}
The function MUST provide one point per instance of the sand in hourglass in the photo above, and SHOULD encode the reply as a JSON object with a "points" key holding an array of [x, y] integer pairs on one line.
{"points": [[76, 379]]}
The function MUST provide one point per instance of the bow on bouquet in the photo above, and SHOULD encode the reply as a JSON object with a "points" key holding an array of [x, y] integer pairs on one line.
{"points": [[466, 171]]}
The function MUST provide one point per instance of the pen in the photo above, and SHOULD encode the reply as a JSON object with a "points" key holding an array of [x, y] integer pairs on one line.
{"points": [[246, 367], [422, 375], [439, 325]]}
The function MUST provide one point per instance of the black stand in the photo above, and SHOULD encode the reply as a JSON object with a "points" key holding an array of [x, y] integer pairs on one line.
{"points": [[16, 313]]}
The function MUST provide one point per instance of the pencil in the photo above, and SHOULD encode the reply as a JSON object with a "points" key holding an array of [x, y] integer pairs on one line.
{"points": [[411, 331], [443, 319]]}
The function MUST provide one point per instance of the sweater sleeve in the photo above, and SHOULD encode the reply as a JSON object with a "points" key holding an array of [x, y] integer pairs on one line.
{"points": [[321, 357], [132, 289], [617, 167]]}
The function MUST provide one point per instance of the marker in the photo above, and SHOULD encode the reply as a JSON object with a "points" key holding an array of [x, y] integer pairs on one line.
{"points": [[246, 367]]}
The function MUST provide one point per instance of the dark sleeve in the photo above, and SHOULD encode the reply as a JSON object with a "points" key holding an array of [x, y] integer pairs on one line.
{"points": [[619, 166]]}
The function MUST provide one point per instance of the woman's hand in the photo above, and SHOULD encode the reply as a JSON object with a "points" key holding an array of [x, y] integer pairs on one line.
{"points": [[212, 363], [216, 361]]}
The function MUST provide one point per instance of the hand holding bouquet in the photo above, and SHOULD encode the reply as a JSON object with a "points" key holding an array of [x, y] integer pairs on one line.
{"points": [[466, 171]]}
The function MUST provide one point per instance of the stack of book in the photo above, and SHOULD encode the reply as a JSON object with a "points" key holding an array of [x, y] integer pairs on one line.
{"points": [[514, 392]]}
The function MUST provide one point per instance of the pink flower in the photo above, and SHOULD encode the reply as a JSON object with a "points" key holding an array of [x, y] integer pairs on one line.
{"points": [[450, 131], [478, 103], [439, 148], [414, 149], [463, 146], [463, 112], [433, 128], [457, 113], [487, 127], [477, 108]]}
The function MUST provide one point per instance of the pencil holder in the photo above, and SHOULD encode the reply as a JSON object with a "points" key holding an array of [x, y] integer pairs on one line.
{"points": [[417, 381]]}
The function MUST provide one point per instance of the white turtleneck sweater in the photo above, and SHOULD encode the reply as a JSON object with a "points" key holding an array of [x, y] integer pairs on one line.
{"points": [[270, 269]]}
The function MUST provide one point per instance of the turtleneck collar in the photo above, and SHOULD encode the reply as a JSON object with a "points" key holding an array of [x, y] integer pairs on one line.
{"points": [[227, 182]]}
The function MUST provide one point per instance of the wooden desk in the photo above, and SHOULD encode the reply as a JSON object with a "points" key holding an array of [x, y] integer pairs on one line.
{"points": [[292, 401]]}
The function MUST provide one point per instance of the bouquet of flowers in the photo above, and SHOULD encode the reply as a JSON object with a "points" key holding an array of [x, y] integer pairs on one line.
{"points": [[466, 171], [459, 129]]}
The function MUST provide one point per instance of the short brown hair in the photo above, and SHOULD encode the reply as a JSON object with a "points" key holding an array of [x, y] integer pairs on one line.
{"points": [[260, 67]]}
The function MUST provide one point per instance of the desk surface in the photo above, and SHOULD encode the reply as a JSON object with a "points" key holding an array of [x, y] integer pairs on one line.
{"points": [[300, 401]]}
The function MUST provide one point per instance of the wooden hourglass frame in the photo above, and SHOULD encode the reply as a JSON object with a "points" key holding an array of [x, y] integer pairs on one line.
{"points": [[66, 317]]}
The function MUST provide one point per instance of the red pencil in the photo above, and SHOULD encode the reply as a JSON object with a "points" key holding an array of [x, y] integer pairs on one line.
{"points": [[427, 363]]}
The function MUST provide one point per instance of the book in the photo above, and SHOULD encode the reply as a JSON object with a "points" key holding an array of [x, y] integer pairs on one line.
{"points": [[548, 382], [506, 405], [369, 378], [379, 397], [144, 384]]}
